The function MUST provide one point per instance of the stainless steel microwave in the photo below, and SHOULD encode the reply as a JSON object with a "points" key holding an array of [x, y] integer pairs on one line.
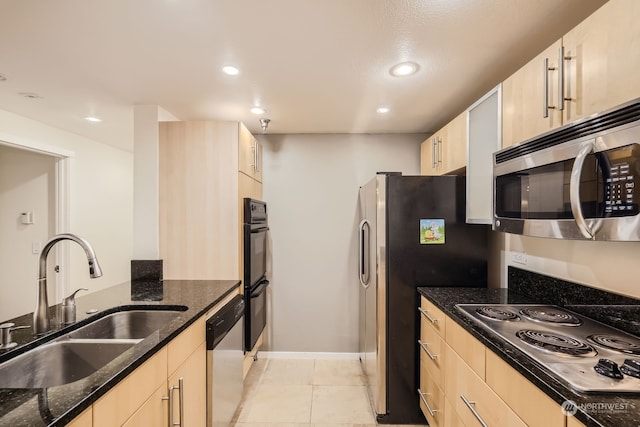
{"points": [[577, 182]]}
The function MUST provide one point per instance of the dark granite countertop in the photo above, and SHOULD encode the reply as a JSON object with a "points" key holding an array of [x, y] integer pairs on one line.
{"points": [[56, 406], [596, 409]]}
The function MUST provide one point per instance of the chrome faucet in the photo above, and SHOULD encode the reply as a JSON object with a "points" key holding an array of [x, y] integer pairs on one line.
{"points": [[41, 315]]}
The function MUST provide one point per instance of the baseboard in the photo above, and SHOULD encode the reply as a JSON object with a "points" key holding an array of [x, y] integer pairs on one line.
{"points": [[307, 355]]}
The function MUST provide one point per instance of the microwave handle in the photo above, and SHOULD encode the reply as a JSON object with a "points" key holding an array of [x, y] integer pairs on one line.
{"points": [[574, 190]]}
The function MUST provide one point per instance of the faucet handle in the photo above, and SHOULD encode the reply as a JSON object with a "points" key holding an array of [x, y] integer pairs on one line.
{"points": [[69, 307], [5, 335]]}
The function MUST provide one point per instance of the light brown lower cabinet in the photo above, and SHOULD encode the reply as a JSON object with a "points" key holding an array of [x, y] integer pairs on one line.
{"points": [[154, 412], [572, 422], [463, 383], [189, 403], [85, 419]]}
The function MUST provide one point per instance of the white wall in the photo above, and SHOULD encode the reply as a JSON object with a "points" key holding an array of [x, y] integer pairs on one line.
{"points": [[27, 184], [311, 188], [101, 205], [611, 266]]}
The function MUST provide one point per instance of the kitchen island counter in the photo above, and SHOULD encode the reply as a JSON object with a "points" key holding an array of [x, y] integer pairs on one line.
{"points": [[56, 406], [593, 409]]}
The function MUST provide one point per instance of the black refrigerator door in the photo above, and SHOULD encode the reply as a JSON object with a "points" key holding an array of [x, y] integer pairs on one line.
{"points": [[422, 252]]}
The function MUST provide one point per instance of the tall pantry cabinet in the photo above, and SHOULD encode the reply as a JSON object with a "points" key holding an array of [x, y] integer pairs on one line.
{"points": [[206, 169]]}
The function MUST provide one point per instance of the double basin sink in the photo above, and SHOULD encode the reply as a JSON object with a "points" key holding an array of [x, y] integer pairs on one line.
{"points": [[83, 351]]}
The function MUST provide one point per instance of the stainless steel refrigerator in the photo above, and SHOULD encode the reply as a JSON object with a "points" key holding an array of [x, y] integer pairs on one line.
{"points": [[412, 233]]}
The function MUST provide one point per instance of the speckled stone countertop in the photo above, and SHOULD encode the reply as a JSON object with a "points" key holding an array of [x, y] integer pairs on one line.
{"points": [[596, 409], [56, 406]]}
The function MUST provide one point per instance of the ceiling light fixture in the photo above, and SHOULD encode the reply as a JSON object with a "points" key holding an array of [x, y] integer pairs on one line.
{"points": [[404, 69], [264, 123], [92, 119], [230, 70], [258, 110], [29, 95], [3, 78], [383, 110]]}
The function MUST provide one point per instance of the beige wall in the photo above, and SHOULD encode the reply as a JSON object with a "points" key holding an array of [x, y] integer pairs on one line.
{"points": [[311, 189], [611, 266], [101, 200], [27, 184]]}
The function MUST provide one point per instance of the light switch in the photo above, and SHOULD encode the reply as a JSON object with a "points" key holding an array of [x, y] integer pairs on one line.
{"points": [[36, 247], [26, 218]]}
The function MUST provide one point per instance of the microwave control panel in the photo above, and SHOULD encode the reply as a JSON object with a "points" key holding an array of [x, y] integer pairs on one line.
{"points": [[620, 195]]}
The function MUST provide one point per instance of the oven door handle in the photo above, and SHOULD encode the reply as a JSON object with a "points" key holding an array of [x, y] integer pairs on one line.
{"points": [[260, 230], [574, 190], [259, 289]]}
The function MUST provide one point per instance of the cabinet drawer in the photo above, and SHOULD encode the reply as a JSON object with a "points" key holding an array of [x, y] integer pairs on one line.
{"points": [[453, 420], [185, 344], [469, 348], [536, 409], [431, 348], [462, 383], [433, 396], [432, 315]]}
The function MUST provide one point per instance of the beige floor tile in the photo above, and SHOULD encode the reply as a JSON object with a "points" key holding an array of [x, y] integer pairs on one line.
{"points": [[341, 404], [282, 371], [338, 372], [274, 425], [277, 403]]}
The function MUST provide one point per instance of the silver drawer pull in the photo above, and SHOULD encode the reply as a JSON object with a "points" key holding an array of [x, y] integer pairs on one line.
{"points": [[475, 413], [422, 395], [424, 347], [425, 314]]}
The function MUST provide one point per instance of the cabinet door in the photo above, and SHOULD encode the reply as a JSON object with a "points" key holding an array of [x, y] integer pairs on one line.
{"points": [[454, 147], [523, 99], [527, 400], [193, 405], [154, 412], [602, 70], [249, 154], [85, 419], [572, 422], [122, 401]]}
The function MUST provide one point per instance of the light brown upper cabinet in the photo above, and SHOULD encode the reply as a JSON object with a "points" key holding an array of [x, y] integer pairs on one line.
{"points": [[446, 150], [529, 98], [602, 60], [591, 69], [201, 187], [250, 154]]}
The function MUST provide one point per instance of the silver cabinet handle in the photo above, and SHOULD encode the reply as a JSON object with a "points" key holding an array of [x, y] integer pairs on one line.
{"points": [[422, 395], [475, 413], [180, 388], [439, 151], [363, 256], [434, 160], [181, 402], [561, 59], [574, 190], [426, 314], [257, 157], [545, 87], [426, 349]]}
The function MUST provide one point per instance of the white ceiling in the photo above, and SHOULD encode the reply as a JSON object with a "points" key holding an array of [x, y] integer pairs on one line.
{"points": [[317, 66]]}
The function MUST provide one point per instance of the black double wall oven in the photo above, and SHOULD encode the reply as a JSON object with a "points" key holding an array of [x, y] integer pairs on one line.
{"points": [[255, 267]]}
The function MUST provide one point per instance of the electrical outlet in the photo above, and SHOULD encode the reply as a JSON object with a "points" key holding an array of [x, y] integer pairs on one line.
{"points": [[519, 258]]}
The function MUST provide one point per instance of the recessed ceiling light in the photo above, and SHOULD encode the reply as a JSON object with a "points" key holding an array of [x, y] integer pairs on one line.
{"points": [[92, 119], [3, 78], [230, 70], [258, 110], [404, 69], [383, 110]]}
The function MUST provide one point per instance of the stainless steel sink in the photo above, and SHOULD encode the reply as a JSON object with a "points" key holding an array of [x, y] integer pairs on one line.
{"points": [[60, 362], [134, 324], [83, 351]]}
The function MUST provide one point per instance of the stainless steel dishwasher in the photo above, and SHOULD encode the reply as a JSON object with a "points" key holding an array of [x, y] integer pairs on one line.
{"points": [[225, 357]]}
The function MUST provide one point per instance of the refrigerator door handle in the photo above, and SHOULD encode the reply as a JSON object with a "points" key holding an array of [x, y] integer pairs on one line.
{"points": [[363, 255]]}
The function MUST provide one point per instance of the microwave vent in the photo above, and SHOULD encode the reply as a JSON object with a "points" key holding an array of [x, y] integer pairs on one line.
{"points": [[595, 124]]}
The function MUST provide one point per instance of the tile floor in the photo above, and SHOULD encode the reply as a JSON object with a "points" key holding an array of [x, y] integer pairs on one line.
{"points": [[318, 393]]}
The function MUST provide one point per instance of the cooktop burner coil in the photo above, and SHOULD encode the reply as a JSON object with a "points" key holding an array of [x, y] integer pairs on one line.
{"points": [[497, 313], [551, 315], [616, 342], [555, 343]]}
